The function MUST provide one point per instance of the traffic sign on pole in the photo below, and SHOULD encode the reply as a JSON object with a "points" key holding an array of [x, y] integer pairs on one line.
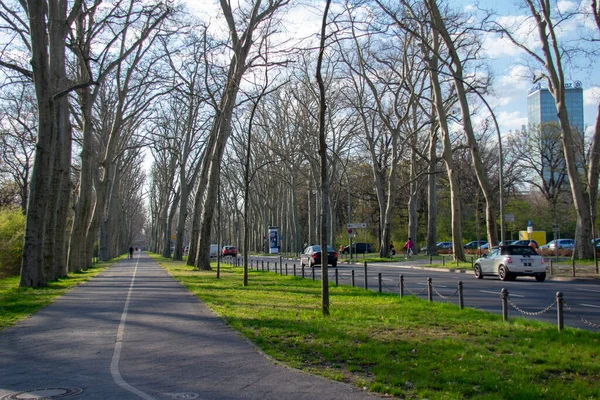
{"points": [[357, 225]]}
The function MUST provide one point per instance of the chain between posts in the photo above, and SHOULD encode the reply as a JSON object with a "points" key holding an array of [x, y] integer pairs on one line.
{"points": [[506, 300], [415, 293], [530, 313], [588, 323], [445, 297]]}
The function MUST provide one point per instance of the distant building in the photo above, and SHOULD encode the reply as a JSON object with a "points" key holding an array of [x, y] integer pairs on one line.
{"points": [[542, 115], [541, 107]]}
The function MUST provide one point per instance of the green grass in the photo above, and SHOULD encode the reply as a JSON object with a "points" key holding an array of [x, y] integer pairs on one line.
{"points": [[407, 348], [19, 303]]}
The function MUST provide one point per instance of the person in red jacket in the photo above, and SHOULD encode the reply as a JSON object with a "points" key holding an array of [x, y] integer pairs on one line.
{"points": [[408, 246]]}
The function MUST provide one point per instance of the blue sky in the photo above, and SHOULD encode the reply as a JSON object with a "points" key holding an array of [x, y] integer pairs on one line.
{"points": [[509, 65], [512, 79]]}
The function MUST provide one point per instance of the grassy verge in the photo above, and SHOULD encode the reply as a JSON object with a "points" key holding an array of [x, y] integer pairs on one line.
{"points": [[17, 304], [407, 348]]}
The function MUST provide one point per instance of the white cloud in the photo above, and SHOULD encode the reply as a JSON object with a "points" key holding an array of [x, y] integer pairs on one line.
{"points": [[591, 96], [511, 121], [566, 6], [495, 47]]}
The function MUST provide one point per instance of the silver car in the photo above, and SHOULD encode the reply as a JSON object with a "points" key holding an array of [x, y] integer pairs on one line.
{"points": [[508, 262]]}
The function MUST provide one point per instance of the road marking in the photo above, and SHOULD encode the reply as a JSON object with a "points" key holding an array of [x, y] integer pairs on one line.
{"points": [[589, 305], [498, 293], [588, 290], [114, 364]]}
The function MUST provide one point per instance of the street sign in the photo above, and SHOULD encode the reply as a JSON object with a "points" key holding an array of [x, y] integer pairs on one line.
{"points": [[350, 231], [509, 217], [356, 225]]}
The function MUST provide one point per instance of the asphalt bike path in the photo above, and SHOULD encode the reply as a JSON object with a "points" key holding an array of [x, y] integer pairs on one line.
{"points": [[133, 332]]}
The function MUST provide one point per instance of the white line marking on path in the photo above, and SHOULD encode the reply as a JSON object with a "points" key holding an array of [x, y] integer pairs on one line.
{"points": [[589, 305], [114, 364], [498, 293]]}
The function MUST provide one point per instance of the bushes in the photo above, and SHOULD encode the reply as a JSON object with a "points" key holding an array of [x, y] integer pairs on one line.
{"points": [[12, 231]]}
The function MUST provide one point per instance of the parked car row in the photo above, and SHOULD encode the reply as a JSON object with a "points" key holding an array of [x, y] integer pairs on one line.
{"points": [[567, 244]]}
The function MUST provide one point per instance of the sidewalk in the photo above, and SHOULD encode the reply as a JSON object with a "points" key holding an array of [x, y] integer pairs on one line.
{"points": [[133, 332]]}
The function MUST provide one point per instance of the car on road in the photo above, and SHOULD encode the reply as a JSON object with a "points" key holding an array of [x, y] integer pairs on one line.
{"points": [[558, 244], [440, 246], [508, 262], [312, 256], [358, 248], [475, 244], [229, 251], [525, 243], [214, 250]]}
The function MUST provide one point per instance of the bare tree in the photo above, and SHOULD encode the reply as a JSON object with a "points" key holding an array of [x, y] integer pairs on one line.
{"points": [[549, 54], [243, 24], [323, 172], [18, 137], [98, 54]]}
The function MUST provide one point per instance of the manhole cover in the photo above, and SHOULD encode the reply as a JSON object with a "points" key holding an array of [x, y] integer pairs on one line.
{"points": [[44, 394], [184, 396]]}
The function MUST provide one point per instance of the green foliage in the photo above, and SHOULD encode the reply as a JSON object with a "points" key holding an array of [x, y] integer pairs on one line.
{"points": [[12, 231]]}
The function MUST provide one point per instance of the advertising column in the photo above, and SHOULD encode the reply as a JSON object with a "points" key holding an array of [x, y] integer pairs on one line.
{"points": [[273, 240]]}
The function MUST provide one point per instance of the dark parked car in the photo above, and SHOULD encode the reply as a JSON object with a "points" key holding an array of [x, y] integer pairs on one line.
{"points": [[312, 256], [229, 251], [525, 243], [440, 246], [358, 248], [475, 244]]}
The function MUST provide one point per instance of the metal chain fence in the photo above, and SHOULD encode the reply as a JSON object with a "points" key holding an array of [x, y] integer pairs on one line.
{"points": [[558, 301], [445, 297], [415, 293], [391, 289], [588, 323], [530, 313]]}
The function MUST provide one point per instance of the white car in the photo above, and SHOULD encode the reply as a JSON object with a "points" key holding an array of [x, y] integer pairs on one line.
{"points": [[508, 262]]}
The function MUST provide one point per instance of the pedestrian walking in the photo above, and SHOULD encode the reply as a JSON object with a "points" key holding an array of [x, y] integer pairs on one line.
{"points": [[131, 252], [408, 247]]}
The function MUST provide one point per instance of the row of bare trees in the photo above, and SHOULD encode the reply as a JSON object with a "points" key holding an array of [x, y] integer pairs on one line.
{"points": [[241, 132]]}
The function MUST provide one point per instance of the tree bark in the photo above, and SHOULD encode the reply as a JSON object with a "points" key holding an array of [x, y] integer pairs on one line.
{"points": [[459, 83], [323, 173], [447, 153]]}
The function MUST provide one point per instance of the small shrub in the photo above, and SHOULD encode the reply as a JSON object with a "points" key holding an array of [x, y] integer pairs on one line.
{"points": [[12, 231]]}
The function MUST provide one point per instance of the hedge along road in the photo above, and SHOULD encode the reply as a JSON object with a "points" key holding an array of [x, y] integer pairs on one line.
{"points": [[133, 332]]}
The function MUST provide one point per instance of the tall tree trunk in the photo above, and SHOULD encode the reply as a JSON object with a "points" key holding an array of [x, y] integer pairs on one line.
{"points": [[459, 83], [447, 153], [83, 206], [32, 267], [413, 191], [432, 194], [386, 227], [323, 174]]}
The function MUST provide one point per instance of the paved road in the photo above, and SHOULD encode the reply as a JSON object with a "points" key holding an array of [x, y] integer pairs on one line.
{"points": [[581, 296], [133, 332]]}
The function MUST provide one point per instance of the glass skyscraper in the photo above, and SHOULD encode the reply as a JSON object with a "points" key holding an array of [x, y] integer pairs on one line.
{"points": [[541, 107], [541, 115]]}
